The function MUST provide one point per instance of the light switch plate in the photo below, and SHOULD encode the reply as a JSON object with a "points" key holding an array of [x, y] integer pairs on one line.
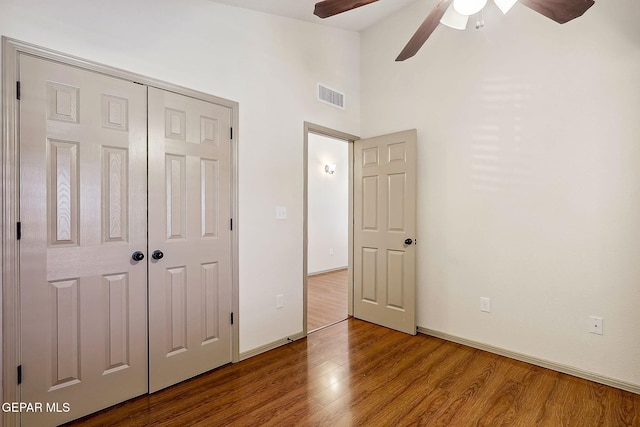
{"points": [[281, 212], [485, 304]]}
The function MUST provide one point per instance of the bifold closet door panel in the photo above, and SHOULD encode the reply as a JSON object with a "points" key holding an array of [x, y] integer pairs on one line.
{"points": [[83, 202], [189, 233]]}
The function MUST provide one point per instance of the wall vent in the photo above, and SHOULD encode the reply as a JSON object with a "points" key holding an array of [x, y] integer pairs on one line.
{"points": [[331, 96]]}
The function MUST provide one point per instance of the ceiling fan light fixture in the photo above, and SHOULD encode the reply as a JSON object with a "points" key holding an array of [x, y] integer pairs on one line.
{"points": [[469, 7], [453, 19], [505, 5], [560, 11]]}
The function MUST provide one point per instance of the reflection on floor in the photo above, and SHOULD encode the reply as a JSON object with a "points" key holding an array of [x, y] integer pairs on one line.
{"points": [[326, 299]]}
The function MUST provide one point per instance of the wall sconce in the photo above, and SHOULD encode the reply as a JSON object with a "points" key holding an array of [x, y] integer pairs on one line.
{"points": [[330, 168]]}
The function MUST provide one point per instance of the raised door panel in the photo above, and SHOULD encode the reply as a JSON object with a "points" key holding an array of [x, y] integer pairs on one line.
{"points": [[115, 312], [62, 179], [369, 275], [115, 200], [176, 197], [176, 310], [210, 306], [64, 326], [209, 198]]}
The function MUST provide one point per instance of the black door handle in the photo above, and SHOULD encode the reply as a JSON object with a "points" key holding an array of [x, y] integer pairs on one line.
{"points": [[157, 254], [408, 241], [137, 256]]}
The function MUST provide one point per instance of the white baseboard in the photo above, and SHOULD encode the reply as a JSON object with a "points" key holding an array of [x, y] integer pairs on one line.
{"points": [[565, 369], [331, 270], [270, 346]]}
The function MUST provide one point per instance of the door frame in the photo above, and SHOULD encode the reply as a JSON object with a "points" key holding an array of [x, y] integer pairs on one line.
{"points": [[9, 171], [349, 139]]}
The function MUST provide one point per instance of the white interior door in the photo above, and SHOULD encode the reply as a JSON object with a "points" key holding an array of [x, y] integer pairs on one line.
{"points": [[189, 222], [83, 212], [384, 230]]}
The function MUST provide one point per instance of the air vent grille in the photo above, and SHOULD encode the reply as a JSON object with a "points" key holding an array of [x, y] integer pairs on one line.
{"points": [[331, 96]]}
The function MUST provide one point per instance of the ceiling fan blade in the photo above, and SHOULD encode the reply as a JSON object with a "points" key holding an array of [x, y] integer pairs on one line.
{"points": [[560, 11], [327, 8], [424, 31]]}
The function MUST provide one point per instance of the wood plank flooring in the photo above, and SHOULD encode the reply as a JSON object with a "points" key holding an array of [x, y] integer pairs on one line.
{"points": [[327, 299], [357, 373]]}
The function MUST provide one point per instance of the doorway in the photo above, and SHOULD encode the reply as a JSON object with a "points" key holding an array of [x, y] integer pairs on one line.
{"points": [[328, 230], [382, 218], [328, 218]]}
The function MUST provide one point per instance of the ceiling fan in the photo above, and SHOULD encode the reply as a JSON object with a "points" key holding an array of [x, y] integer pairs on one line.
{"points": [[455, 14]]}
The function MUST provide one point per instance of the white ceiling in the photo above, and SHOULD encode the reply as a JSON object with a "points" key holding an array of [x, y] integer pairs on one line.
{"points": [[356, 20]]}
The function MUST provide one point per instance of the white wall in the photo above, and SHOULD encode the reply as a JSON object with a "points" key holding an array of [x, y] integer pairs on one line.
{"points": [[270, 65], [529, 179], [328, 204]]}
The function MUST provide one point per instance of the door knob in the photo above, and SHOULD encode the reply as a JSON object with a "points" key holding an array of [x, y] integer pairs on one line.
{"points": [[157, 254], [137, 256], [408, 241]]}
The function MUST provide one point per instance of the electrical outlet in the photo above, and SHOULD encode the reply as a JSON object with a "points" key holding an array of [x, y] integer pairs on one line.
{"points": [[595, 325], [485, 304], [279, 301]]}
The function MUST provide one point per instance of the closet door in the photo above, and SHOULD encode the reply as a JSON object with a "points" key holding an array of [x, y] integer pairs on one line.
{"points": [[83, 207], [189, 237]]}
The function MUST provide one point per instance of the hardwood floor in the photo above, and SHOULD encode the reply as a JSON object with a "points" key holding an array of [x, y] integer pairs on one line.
{"points": [[357, 373], [326, 299]]}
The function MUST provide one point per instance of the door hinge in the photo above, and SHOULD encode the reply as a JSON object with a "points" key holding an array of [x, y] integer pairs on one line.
{"points": [[231, 223], [232, 317], [18, 90], [231, 132], [19, 374], [19, 230]]}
